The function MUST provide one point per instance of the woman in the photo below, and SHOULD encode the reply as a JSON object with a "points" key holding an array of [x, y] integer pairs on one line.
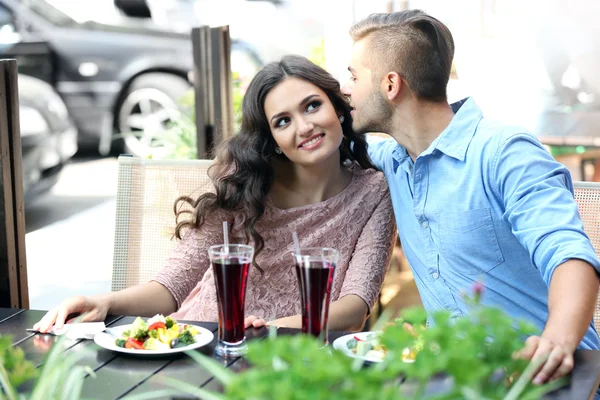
{"points": [[296, 165]]}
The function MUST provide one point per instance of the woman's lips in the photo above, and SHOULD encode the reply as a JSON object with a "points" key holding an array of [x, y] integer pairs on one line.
{"points": [[312, 143]]}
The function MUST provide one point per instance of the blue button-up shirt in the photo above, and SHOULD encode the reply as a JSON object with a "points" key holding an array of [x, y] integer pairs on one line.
{"points": [[485, 202]]}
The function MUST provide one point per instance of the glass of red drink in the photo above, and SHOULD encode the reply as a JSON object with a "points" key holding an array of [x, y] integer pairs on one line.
{"points": [[231, 264], [315, 268]]}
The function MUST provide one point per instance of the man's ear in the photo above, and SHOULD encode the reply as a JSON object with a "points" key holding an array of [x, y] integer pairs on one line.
{"points": [[391, 85]]}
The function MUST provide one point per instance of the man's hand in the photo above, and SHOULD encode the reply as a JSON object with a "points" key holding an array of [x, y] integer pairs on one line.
{"points": [[559, 358]]}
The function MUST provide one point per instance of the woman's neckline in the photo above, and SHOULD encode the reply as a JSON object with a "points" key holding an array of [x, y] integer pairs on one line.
{"points": [[270, 202]]}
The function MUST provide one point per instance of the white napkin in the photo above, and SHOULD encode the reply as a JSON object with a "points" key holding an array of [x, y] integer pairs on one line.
{"points": [[79, 330]]}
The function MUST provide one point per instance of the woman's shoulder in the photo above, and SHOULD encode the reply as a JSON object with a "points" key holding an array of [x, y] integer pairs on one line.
{"points": [[369, 179]]}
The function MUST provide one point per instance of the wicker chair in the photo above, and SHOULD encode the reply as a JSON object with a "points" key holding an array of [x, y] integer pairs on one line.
{"points": [[145, 222], [587, 195]]}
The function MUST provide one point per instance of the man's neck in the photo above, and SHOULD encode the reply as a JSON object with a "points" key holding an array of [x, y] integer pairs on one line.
{"points": [[419, 123]]}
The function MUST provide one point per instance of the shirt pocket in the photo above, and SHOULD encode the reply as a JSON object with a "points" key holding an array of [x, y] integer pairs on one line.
{"points": [[468, 241]]}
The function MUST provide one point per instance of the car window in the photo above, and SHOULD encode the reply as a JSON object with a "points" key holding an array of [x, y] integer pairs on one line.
{"points": [[8, 27], [49, 12]]}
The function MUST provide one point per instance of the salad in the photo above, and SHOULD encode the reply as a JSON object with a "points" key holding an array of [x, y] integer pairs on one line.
{"points": [[157, 333], [370, 347], [367, 346]]}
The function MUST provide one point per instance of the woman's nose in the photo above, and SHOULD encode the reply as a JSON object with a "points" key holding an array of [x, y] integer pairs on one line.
{"points": [[305, 127]]}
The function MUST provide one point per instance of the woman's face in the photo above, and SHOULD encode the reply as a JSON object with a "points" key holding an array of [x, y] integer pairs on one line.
{"points": [[303, 122]]}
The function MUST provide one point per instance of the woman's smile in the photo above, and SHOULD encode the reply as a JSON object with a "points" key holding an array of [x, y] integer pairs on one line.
{"points": [[313, 142]]}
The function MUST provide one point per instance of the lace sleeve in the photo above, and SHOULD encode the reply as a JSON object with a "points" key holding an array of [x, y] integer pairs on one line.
{"points": [[188, 262], [372, 254]]}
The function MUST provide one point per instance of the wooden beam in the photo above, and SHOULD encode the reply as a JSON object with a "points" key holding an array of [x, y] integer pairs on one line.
{"points": [[223, 89], [203, 88], [13, 266]]}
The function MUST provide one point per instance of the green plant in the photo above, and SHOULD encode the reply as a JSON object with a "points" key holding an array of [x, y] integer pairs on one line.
{"points": [[239, 89], [14, 369], [475, 353], [317, 53], [59, 379], [179, 140]]}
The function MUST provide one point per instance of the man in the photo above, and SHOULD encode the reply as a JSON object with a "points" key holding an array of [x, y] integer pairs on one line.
{"points": [[474, 199]]}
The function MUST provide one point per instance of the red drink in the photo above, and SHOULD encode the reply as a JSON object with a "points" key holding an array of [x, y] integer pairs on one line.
{"points": [[231, 275], [230, 264], [315, 279]]}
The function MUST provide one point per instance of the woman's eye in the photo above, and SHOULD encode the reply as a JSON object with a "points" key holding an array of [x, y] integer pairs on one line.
{"points": [[313, 106], [282, 122]]}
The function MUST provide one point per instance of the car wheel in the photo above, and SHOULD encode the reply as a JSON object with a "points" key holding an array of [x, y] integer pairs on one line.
{"points": [[147, 108]]}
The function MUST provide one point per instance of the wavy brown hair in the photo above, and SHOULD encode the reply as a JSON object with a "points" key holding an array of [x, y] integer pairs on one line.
{"points": [[242, 173]]}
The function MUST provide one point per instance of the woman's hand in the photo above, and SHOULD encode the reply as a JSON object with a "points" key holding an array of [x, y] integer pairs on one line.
{"points": [[93, 308], [255, 322]]}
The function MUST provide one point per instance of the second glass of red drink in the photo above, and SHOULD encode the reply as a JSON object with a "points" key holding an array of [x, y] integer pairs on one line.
{"points": [[231, 264], [315, 268]]}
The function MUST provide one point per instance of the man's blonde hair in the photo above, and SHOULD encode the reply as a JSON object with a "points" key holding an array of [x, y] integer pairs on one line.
{"points": [[415, 45]]}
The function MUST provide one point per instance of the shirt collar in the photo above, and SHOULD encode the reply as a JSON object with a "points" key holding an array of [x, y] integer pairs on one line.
{"points": [[455, 139], [399, 155]]}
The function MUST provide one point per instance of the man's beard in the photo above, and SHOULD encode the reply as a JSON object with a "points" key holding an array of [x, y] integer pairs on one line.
{"points": [[375, 116]]}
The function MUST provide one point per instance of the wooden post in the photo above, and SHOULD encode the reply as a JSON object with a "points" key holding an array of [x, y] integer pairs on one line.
{"points": [[13, 266], [223, 89], [203, 89]]}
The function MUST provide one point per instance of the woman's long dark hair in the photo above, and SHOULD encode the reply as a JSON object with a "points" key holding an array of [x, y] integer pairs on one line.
{"points": [[242, 172]]}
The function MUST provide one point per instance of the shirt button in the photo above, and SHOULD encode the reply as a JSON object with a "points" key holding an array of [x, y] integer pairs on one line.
{"points": [[425, 224], [435, 275]]}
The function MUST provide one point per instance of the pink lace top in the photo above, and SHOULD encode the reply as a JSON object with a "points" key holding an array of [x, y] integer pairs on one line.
{"points": [[358, 222]]}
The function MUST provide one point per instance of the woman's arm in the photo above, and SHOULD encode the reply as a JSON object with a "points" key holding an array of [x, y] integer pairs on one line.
{"points": [[369, 262], [145, 300], [163, 295], [346, 314]]}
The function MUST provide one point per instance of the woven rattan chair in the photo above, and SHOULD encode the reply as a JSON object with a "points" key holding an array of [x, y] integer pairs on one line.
{"points": [[145, 222], [587, 195]]}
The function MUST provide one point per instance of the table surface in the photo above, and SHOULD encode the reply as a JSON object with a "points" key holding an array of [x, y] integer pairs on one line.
{"points": [[120, 374]]}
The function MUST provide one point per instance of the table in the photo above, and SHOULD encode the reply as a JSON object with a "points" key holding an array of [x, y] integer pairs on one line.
{"points": [[118, 375]]}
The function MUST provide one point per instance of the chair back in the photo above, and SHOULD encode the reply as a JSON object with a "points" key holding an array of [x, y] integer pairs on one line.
{"points": [[145, 219], [587, 196]]}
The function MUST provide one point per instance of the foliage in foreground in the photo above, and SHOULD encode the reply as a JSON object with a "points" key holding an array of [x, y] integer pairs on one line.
{"points": [[474, 355], [60, 378]]}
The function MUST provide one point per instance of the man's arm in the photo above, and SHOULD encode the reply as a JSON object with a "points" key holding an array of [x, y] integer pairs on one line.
{"points": [[568, 321], [536, 193]]}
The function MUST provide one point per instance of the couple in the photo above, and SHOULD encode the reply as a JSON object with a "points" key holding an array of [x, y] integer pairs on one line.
{"points": [[473, 199]]}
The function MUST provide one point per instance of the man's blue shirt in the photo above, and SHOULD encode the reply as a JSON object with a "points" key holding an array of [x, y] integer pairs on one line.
{"points": [[485, 202]]}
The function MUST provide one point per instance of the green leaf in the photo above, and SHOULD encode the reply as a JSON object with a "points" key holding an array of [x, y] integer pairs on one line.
{"points": [[9, 389], [157, 394]]}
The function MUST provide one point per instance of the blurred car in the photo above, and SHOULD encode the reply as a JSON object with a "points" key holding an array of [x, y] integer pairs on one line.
{"points": [[113, 78], [48, 136]]}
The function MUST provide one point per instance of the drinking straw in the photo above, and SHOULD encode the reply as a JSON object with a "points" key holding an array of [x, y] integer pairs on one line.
{"points": [[225, 238], [296, 242]]}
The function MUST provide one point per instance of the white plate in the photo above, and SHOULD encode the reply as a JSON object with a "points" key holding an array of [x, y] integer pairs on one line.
{"points": [[107, 341], [341, 344]]}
